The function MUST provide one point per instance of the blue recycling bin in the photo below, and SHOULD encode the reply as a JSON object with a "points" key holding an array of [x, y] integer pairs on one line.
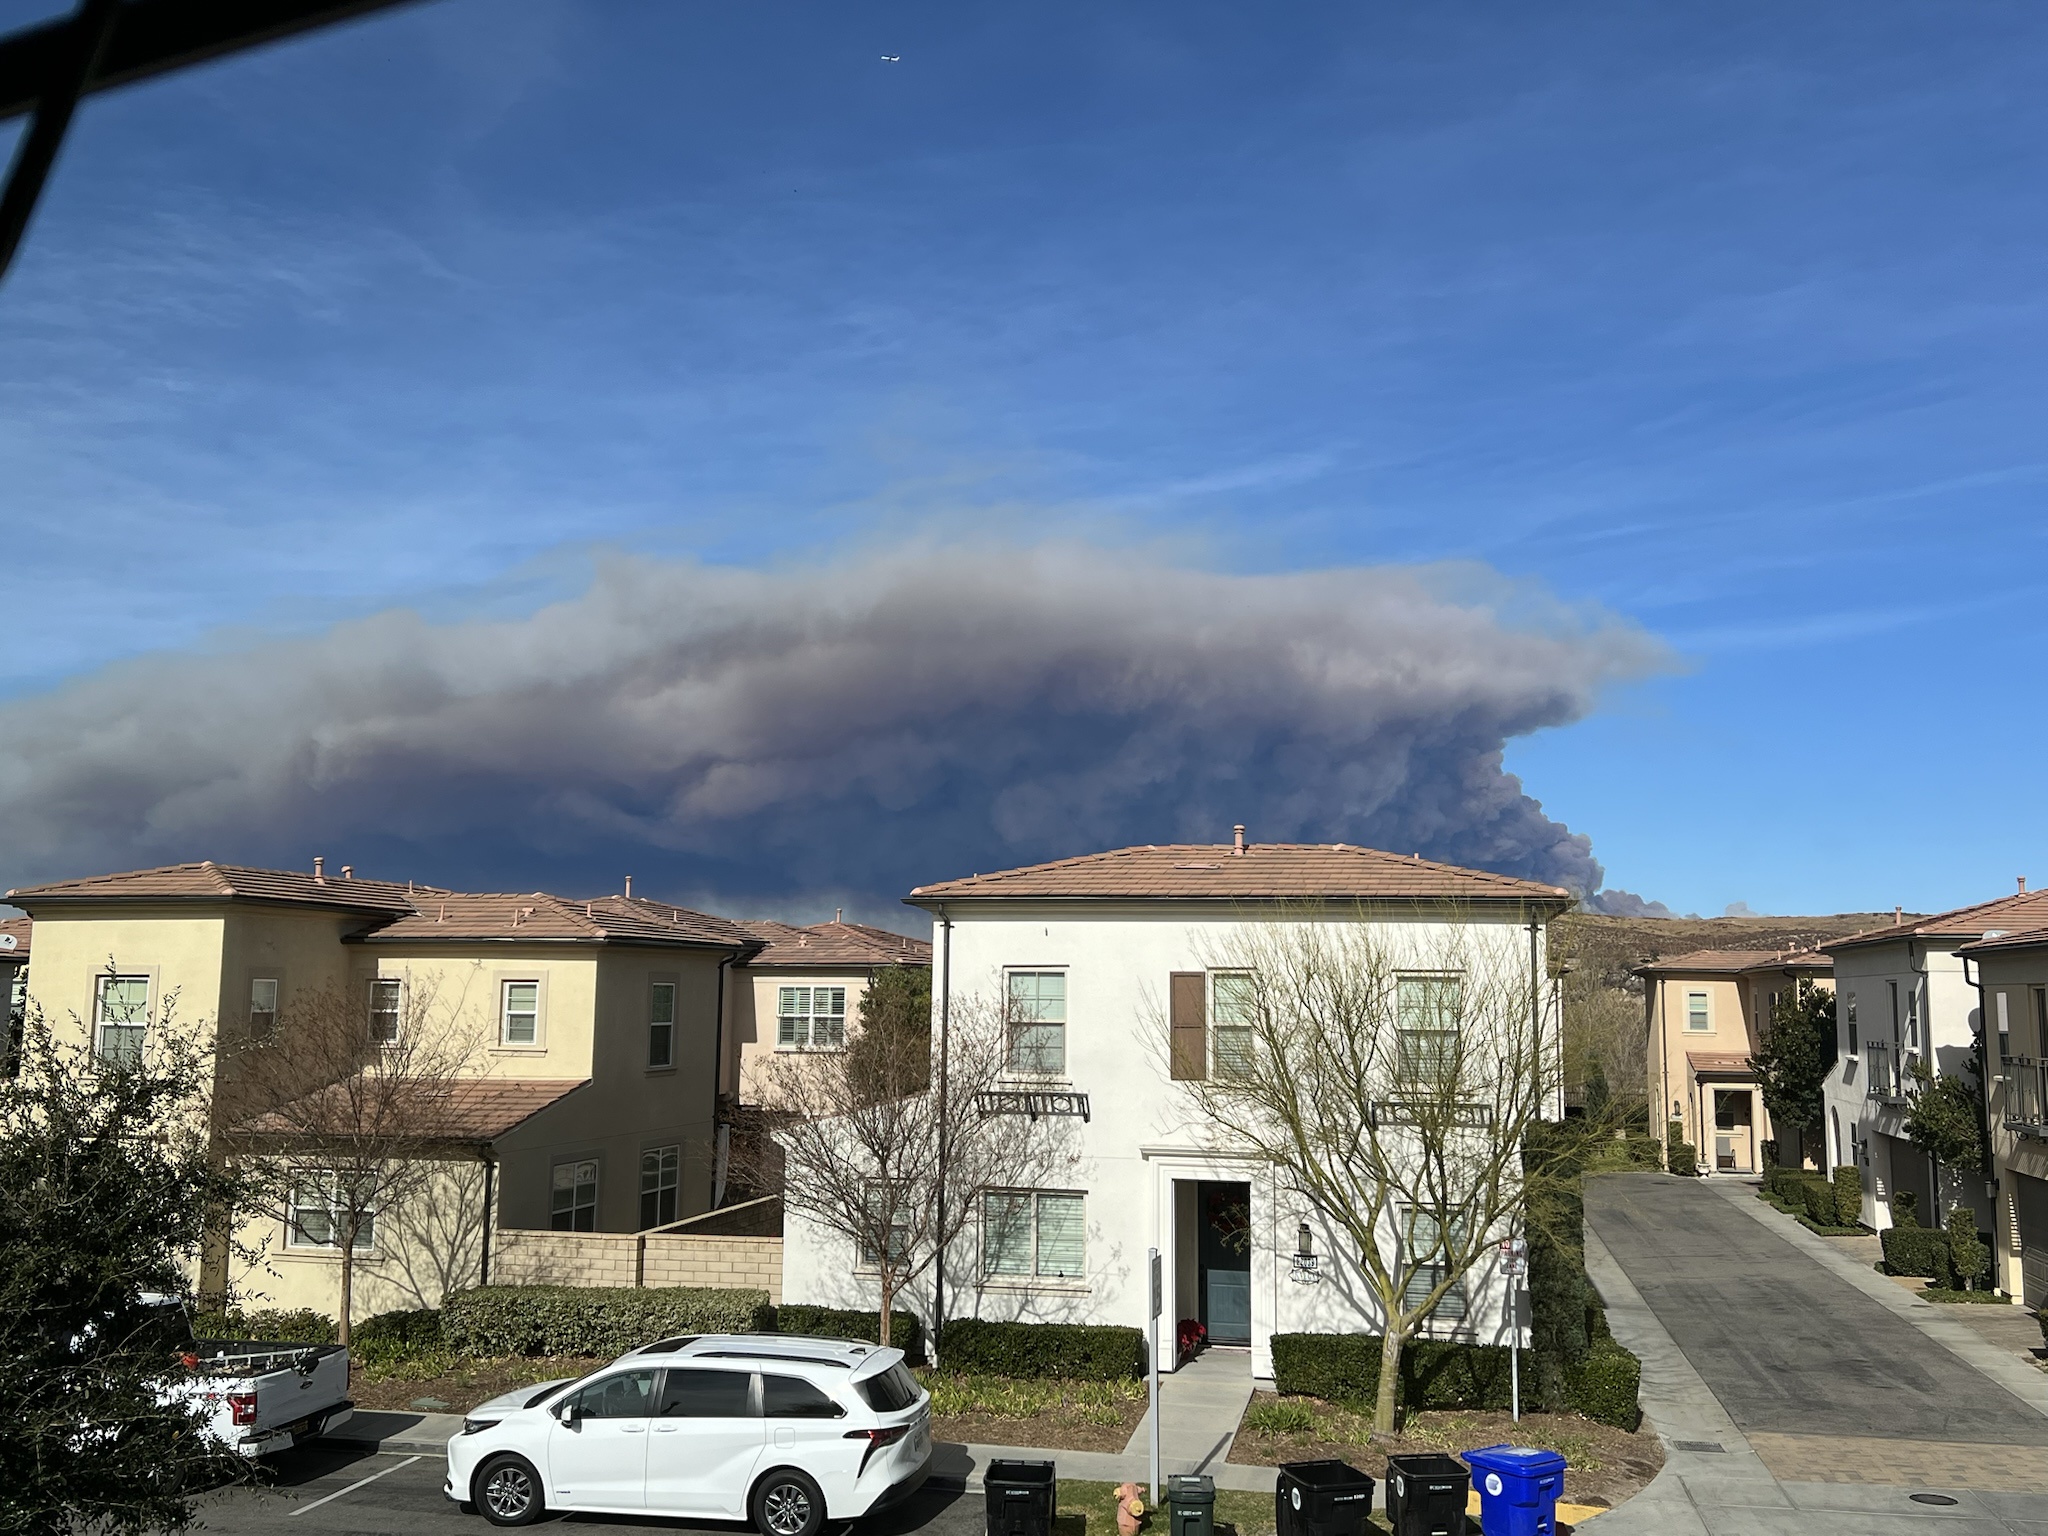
{"points": [[1518, 1488]]}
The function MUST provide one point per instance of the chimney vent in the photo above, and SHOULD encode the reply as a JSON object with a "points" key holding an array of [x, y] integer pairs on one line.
{"points": [[1898, 913], [2023, 885], [839, 913], [319, 868], [1237, 838], [629, 885], [348, 871]]}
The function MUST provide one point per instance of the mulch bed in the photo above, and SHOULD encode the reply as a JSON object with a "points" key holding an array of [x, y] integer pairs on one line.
{"points": [[1605, 1464], [1054, 1431]]}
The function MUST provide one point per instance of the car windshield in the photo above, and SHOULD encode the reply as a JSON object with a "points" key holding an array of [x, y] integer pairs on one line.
{"points": [[889, 1391]]}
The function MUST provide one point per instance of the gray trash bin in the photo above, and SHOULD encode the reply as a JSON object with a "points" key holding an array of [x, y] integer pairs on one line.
{"points": [[1191, 1505]]}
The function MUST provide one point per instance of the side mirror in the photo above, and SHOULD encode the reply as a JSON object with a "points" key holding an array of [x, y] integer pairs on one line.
{"points": [[569, 1414]]}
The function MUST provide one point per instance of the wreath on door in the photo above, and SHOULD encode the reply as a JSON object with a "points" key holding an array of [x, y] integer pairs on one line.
{"points": [[1231, 1218]]}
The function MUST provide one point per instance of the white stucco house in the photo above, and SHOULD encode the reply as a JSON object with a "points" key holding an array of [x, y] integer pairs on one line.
{"points": [[1105, 955], [1902, 997]]}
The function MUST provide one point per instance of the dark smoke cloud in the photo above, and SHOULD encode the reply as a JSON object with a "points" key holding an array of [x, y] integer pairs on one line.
{"points": [[763, 735]]}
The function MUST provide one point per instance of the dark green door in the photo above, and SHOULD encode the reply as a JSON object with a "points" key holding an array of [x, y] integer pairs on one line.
{"points": [[1223, 1251]]}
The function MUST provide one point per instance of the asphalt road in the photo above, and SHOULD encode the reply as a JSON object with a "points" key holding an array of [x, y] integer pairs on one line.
{"points": [[385, 1493], [1786, 1346]]}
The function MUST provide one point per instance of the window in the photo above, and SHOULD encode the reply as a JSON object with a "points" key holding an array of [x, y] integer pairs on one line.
{"points": [[627, 1395], [889, 1391], [701, 1394], [791, 1397], [1849, 1023], [573, 1206], [895, 1214], [384, 1010], [1697, 1020], [1231, 1001], [1038, 1022], [318, 1216], [2004, 1029], [1913, 1018], [521, 1013], [121, 1010], [1026, 1234], [1427, 1010], [1428, 1263], [658, 1186], [2040, 1021], [661, 1024], [262, 1005], [812, 1017]]}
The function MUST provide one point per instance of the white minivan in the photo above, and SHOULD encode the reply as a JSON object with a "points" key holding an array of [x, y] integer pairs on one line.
{"points": [[784, 1431]]}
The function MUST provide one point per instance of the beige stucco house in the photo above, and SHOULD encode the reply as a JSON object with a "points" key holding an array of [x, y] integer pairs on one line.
{"points": [[2010, 973], [1706, 1012], [588, 1101], [802, 989]]}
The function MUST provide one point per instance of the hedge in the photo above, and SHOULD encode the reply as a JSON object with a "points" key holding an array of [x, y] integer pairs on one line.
{"points": [[1684, 1159], [394, 1338], [577, 1320], [1073, 1351], [1849, 1195], [1918, 1251], [1435, 1373], [1820, 1202], [303, 1326], [1606, 1386], [906, 1330]]}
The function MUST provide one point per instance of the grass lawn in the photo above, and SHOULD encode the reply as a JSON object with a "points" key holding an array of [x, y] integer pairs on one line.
{"points": [[1089, 1509]]}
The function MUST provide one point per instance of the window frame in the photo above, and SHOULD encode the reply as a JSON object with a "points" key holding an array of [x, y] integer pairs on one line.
{"points": [[575, 1207], [268, 1016], [867, 1259], [1015, 1029], [1705, 1012], [788, 1036], [659, 1028], [1244, 1061], [668, 1167], [130, 1053], [397, 1010], [296, 1239], [1409, 1064], [1034, 1273], [506, 1014], [1460, 1289]]}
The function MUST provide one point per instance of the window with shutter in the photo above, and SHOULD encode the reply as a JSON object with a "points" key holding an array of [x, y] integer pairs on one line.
{"points": [[1188, 1016]]}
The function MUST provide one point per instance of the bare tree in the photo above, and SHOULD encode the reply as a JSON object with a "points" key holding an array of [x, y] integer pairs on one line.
{"points": [[859, 1131], [350, 1104], [1391, 1089]]}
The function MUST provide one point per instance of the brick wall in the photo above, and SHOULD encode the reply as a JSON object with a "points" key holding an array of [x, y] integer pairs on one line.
{"points": [[520, 1257]]}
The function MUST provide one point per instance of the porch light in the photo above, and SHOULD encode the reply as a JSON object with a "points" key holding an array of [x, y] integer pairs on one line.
{"points": [[1304, 1242]]}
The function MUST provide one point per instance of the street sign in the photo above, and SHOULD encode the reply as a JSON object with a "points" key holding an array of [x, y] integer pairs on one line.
{"points": [[1158, 1285]]}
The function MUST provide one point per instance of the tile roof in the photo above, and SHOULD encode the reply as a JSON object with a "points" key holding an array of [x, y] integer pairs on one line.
{"points": [[2024, 938], [535, 917], [1734, 962], [852, 945], [474, 1109], [17, 929], [208, 881], [1719, 1062], [1263, 871], [2024, 910]]}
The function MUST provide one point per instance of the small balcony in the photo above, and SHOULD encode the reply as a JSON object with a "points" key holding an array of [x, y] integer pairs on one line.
{"points": [[1884, 1079], [2025, 1096]]}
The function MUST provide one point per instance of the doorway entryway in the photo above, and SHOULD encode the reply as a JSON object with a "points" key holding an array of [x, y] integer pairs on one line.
{"points": [[1734, 1131], [1223, 1259]]}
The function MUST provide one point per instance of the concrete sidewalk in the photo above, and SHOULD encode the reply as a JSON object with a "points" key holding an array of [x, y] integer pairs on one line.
{"points": [[1200, 1406]]}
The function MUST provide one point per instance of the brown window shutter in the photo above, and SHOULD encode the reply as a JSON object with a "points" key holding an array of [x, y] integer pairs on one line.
{"points": [[1187, 991]]}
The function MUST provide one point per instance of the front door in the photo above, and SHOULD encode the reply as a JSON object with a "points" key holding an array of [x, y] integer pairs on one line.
{"points": [[600, 1461], [1223, 1255], [1733, 1150], [706, 1440]]}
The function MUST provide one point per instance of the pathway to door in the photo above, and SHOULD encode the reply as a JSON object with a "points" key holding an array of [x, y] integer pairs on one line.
{"points": [[1200, 1405], [1850, 1404]]}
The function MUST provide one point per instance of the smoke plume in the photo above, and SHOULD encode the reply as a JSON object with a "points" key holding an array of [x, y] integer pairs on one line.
{"points": [[761, 736]]}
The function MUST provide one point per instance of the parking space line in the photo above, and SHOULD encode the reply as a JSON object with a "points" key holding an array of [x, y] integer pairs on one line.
{"points": [[352, 1487]]}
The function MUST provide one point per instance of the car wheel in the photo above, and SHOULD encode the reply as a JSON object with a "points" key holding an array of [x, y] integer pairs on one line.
{"points": [[508, 1491], [787, 1503]]}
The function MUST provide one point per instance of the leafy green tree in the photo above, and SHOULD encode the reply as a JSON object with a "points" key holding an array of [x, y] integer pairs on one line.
{"points": [[895, 1035], [1793, 1060], [1946, 1121], [1972, 1259], [107, 1189]]}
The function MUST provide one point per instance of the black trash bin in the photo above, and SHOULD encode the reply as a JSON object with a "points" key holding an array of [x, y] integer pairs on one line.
{"points": [[1427, 1495], [1190, 1505], [1021, 1496], [1321, 1498]]}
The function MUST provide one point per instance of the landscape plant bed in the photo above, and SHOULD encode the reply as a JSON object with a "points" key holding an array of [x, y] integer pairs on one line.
{"points": [[1603, 1465], [461, 1384], [1973, 1298], [1089, 1509], [1059, 1415], [1807, 1221]]}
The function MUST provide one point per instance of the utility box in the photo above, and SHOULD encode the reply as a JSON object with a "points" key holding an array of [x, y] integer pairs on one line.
{"points": [[1426, 1495], [1191, 1505], [1021, 1498], [1321, 1498]]}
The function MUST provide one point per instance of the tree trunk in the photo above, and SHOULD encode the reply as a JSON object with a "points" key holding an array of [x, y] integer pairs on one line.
{"points": [[888, 1300], [1389, 1397], [348, 1284]]}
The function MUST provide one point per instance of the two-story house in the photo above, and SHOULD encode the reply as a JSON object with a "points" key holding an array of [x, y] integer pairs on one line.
{"points": [[2010, 974], [1102, 958], [1706, 1012], [587, 1101], [1904, 1001]]}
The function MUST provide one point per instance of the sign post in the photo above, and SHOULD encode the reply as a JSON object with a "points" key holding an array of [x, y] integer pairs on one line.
{"points": [[1158, 1305], [1514, 1263]]}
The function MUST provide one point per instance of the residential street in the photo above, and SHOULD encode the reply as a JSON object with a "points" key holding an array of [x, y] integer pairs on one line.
{"points": [[1838, 1400]]}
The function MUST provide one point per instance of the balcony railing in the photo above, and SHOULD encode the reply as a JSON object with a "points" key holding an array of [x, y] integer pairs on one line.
{"points": [[1885, 1079], [2026, 1095]]}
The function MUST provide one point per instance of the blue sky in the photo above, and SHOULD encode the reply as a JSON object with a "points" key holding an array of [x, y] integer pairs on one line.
{"points": [[1727, 322]]}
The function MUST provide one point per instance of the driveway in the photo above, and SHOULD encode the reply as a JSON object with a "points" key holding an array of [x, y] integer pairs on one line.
{"points": [[1787, 1347]]}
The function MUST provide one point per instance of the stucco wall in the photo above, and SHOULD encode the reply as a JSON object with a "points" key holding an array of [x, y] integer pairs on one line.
{"points": [[752, 1005]]}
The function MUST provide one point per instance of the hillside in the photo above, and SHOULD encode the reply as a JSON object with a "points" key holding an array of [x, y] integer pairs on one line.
{"points": [[1610, 946]]}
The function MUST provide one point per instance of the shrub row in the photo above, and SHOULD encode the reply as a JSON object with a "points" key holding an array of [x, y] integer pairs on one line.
{"points": [[1345, 1368], [302, 1326], [906, 1329], [1825, 1201], [1075, 1351], [1607, 1385], [576, 1320], [1920, 1251], [396, 1338]]}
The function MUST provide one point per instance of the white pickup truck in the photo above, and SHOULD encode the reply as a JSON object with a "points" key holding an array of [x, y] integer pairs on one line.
{"points": [[266, 1397]]}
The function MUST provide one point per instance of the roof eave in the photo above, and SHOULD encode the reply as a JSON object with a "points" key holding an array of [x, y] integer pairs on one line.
{"points": [[23, 899], [931, 901]]}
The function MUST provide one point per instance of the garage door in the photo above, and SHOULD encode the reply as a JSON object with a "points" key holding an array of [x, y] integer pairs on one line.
{"points": [[2030, 1205]]}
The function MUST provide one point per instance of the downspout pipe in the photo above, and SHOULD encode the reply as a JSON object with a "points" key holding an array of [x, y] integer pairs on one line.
{"points": [[939, 1213], [490, 1212], [1983, 1048], [719, 1140]]}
